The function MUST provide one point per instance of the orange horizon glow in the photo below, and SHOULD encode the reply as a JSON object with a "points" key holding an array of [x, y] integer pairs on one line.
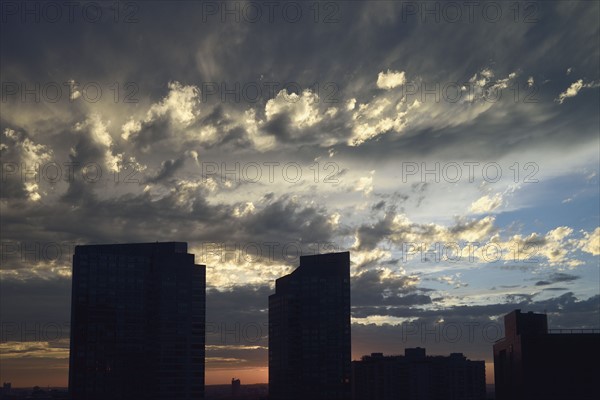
{"points": [[489, 373], [27, 376], [250, 376]]}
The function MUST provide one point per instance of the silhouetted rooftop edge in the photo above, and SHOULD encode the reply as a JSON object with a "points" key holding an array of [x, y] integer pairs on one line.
{"points": [[176, 247]]}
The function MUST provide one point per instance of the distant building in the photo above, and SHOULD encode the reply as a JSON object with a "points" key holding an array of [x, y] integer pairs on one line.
{"points": [[6, 390], [309, 331], [531, 362], [137, 323], [236, 387], [416, 376]]}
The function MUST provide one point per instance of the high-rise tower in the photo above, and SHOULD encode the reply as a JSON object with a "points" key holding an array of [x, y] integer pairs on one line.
{"points": [[309, 331], [137, 323]]}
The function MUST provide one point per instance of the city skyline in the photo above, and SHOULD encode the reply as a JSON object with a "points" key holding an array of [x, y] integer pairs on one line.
{"points": [[452, 148], [138, 329], [117, 255], [418, 375]]}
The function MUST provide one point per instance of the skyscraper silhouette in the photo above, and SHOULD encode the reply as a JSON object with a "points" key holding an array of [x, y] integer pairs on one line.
{"points": [[137, 323], [309, 331]]}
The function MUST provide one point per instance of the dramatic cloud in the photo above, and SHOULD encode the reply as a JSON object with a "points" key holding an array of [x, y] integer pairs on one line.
{"points": [[300, 109], [461, 173], [21, 157]]}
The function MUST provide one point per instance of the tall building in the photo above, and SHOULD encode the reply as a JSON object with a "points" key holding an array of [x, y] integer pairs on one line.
{"points": [[532, 362], [416, 376], [137, 323], [309, 331]]}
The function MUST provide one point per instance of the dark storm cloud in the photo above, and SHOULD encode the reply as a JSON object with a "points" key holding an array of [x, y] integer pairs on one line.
{"points": [[167, 170], [462, 226], [467, 329], [296, 221], [37, 305], [237, 319], [280, 127], [567, 311], [12, 151], [235, 138], [372, 288], [370, 235], [152, 133], [89, 153], [520, 298], [392, 202], [125, 219], [378, 206], [563, 310], [557, 277]]}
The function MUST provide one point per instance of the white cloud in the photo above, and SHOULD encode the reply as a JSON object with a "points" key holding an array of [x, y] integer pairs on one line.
{"points": [[130, 127], [30, 154], [382, 320], [391, 79], [590, 243], [244, 210], [74, 92], [377, 117], [487, 88], [486, 204], [181, 104], [395, 111], [350, 104], [549, 246], [32, 190], [452, 280], [476, 230], [554, 248], [302, 109], [238, 264], [365, 184], [571, 91], [362, 258], [574, 89], [334, 219]]}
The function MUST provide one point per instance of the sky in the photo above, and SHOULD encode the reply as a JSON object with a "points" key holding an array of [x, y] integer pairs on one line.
{"points": [[452, 148]]}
